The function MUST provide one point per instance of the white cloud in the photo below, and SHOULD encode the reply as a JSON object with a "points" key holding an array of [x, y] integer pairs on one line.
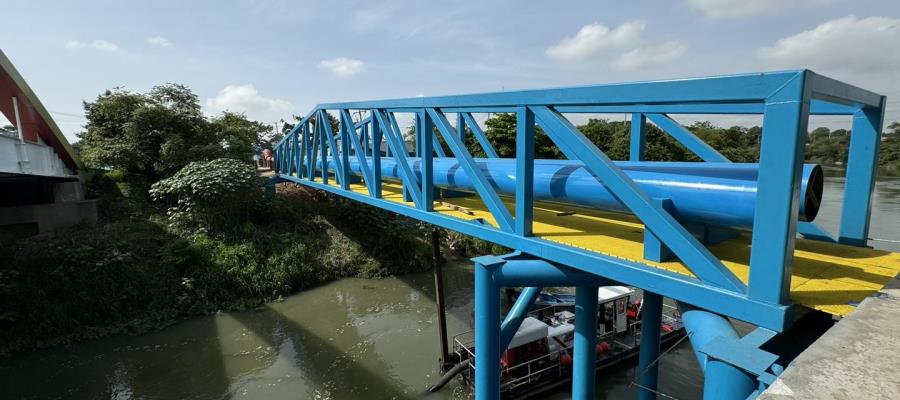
{"points": [[594, 38], [846, 44], [863, 52], [649, 56], [98, 44], [343, 66], [245, 99], [159, 41], [734, 8]]}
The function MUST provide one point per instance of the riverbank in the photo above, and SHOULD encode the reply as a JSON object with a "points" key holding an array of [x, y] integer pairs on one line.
{"points": [[135, 273]]}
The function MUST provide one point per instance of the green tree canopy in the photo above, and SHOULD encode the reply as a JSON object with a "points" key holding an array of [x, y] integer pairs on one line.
{"points": [[149, 136]]}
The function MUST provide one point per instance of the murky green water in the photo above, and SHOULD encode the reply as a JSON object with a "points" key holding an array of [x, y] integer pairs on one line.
{"points": [[351, 339]]}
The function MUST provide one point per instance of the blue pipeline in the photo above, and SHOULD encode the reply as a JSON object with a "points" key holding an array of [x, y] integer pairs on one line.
{"points": [[720, 380], [708, 193]]}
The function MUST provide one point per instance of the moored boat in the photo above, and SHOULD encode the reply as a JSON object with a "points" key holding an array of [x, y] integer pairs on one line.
{"points": [[539, 356]]}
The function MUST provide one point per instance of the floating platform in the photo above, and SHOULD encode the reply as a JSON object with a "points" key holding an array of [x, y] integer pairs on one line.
{"points": [[828, 277]]}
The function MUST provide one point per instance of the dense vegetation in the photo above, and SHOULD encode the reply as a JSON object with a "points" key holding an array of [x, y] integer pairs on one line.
{"points": [[186, 229]]}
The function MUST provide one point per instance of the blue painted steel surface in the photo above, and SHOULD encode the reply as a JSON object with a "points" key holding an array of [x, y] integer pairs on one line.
{"points": [[648, 366], [584, 358], [576, 146], [863, 158], [721, 380], [638, 142], [517, 314], [785, 98], [524, 181], [687, 138], [707, 195], [778, 191], [487, 330]]}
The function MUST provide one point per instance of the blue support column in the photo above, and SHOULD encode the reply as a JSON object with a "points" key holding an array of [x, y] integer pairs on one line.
{"points": [[648, 368], [584, 360], [778, 190], [524, 171], [461, 127], [487, 329], [638, 136], [654, 248], [424, 133], [865, 136], [376, 156]]}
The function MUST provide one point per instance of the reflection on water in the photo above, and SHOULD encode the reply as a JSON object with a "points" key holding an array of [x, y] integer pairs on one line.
{"points": [[355, 338], [885, 219]]}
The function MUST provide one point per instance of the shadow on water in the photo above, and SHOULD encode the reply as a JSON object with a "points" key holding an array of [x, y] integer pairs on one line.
{"points": [[334, 372], [165, 364]]}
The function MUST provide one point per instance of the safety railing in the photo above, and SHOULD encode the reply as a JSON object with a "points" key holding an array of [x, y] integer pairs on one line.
{"points": [[784, 99]]}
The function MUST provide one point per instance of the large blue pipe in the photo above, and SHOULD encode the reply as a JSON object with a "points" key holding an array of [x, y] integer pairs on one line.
{"points": [[708, 193], [720, 379]]}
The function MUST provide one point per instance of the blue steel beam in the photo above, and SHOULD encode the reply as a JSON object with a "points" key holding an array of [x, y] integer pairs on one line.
{"points": [[524, 171], [427, 159], [733, 88], [376, 154], [347, 120], [817, 107], [480, 136], [396, 143], [778, 191], [482, 186], [687, 138], [865, 137], [837, 92], [336, 156], [638, 140], [694, 255], [517, 314]]}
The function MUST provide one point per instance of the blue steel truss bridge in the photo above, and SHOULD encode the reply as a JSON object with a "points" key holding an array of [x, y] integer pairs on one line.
{"points": [[722, 239]]}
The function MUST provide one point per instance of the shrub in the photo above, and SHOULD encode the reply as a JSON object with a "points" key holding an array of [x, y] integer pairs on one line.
{"points": [[214, 194]]}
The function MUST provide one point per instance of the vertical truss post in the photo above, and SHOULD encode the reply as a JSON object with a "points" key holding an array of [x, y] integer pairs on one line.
{"points": [[461, 127], [487, 328], [376, 156], [638, 140], [321, 121], [345, 152], [313, 151], [584, 360], [304, 151], [648, 368], [427, 158], [785, 120], [865, 136], [524, 171]]}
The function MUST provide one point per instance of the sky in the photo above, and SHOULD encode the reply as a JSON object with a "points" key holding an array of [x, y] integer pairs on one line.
{"points": [[277, 58]]}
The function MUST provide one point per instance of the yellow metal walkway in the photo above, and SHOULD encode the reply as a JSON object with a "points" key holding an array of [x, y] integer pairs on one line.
{"points": [[827, 277]]}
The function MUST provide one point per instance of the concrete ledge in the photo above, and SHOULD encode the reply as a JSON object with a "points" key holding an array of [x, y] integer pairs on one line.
{"points": [[858, 358], [50, 217]]}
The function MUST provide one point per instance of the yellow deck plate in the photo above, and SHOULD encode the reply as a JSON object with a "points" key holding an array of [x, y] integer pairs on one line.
{"points": [[826, 276]]}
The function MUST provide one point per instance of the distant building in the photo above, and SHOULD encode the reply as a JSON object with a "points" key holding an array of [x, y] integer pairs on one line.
{"points": [[40, 187]]}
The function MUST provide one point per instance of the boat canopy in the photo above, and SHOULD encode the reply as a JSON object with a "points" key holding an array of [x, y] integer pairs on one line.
{"points": [[609, 293], [532, 329]]}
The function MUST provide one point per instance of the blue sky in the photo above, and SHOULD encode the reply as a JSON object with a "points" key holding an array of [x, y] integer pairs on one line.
{"points": [[271, 59]]}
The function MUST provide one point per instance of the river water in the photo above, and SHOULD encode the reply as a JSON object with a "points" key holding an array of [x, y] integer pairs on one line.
{"points": [[350, 339]]}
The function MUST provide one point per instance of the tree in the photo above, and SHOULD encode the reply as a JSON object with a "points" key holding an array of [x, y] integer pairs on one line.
{"points": [[149, 136]]}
